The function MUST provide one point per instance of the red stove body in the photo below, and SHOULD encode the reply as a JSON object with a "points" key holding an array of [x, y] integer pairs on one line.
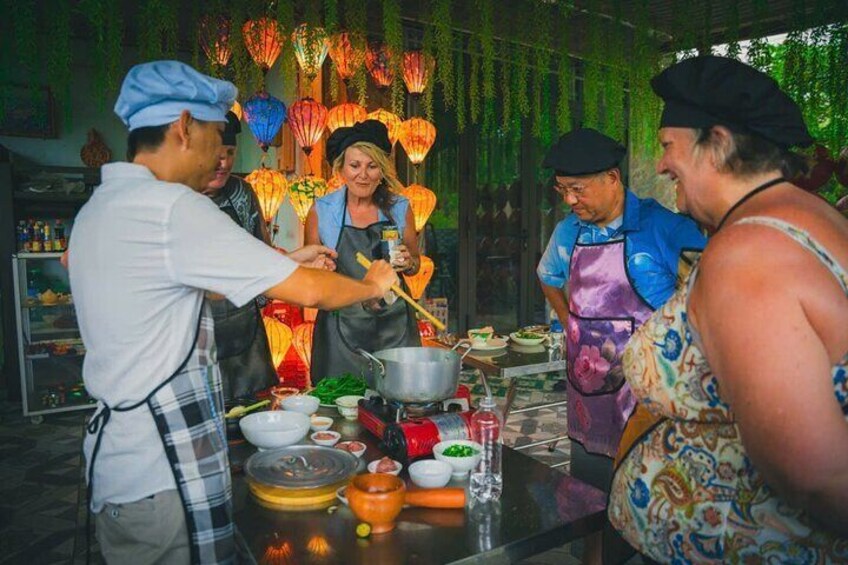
{"points": [[410, 432]]}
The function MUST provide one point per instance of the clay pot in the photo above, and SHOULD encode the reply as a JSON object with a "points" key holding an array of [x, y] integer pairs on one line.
{"points": [[95, 153], [377, 499]]}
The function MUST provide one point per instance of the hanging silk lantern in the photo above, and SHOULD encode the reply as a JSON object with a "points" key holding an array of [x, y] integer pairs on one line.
{"points": [[419, 281], [303, 191], [418, 67], [335, 183], [264, 40], [303, 342], [270, 188], [310, 48], [213, 34], [391, 121], [279, 339], [347, 53], [417, 136], [423, 202], [237, 109], [264, 115], [345, 115], [378, 61], [307, 119]]}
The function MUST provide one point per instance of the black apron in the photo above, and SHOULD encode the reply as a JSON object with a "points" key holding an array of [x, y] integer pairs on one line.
{"points": [[340, 333]]}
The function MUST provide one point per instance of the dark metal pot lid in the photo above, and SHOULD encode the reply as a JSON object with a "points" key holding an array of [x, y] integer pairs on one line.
{"points": [[301, 466]]}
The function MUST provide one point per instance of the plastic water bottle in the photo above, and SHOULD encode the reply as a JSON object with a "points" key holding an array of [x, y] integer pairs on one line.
{"points": [[486, 479], [556, 337]]}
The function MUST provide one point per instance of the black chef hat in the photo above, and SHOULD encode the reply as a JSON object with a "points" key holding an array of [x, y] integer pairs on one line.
{"points": [[705, 91], [583, 151], [231, 130], [371, 131]]}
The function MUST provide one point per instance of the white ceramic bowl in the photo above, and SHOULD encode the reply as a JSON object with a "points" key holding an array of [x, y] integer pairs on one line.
{"points": [[372, 467], [527, 341], [321, 423], [349, 406], [357, 453], [430, 473], [277, 428], [331, 440], [460, 465], [301, 403]]}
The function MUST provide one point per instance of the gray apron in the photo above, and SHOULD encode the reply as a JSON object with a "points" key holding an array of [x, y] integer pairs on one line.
{"points": [[338, 334]]}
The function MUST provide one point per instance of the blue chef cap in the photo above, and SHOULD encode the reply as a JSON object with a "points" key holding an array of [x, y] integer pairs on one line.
{"points": [[156, 93]]}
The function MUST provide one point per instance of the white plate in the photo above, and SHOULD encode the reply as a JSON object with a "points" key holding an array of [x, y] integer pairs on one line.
{"points": [[493, 344]]}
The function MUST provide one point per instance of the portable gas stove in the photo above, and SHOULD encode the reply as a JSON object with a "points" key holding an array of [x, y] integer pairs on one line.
{"points": [[409, 431]]}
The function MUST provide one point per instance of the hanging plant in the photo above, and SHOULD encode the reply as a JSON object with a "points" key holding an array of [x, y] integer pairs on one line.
{"points": [[58, 18], [474, 81], [519, 82], [487, 48], [732, 9], [759, 53], [393, 33], [441, 10], [565, 88], [285, 15], [460, 88], [104, 19], [592, 76], [429, 50], [157, 29], [246, 74], [356, 20], [331, 25], [505, 89], [25, 40]]}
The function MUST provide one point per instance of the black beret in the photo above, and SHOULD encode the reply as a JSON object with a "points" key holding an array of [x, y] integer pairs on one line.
{"points": [[231, 130], [583, 151], [705, 91], [371, 131]]}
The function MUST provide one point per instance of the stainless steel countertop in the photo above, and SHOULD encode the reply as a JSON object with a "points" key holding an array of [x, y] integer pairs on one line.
{"points": [[541, 508], [511, 361]]}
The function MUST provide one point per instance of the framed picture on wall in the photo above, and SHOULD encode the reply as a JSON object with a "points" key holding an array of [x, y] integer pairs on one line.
{"points": [[27, 111]]}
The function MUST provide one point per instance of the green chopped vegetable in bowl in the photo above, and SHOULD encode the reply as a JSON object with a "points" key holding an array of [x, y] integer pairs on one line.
{"points": [[331, 388], [460, 451], [528, 335]]}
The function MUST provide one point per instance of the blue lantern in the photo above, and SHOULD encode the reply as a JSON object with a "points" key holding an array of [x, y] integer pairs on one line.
{"points": [[264, 115]]}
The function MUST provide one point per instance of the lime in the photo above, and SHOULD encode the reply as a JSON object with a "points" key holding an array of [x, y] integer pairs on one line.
{"points": [[363, 530]]}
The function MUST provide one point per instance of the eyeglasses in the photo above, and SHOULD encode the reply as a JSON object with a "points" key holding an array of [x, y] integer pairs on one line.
{"points": [[576, 190]]}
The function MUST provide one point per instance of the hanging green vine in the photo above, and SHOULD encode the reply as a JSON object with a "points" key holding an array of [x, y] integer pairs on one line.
{"points": [[487, 48], [519, 81], [331, 26], [106, 27], [592, 76], [731, 7], [429, 49], [565, 87], [460, 87], [505, 90], [441, 10], [759, 54], [58, 17], [393, 33], [474, 81], [25, 40], [356, 21]]}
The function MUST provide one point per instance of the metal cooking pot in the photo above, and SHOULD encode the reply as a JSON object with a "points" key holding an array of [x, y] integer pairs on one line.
{"points": [[416, 374]]}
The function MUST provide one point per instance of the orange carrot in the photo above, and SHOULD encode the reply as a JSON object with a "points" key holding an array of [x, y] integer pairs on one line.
{"points": [[436, 497]]}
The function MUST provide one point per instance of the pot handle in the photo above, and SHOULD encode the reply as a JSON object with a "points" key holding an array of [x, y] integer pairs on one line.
{"points": [[372, 360], [461, 343]]}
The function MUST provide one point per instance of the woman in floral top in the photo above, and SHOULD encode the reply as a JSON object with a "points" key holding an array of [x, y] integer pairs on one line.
{"points": [[746, 365]]}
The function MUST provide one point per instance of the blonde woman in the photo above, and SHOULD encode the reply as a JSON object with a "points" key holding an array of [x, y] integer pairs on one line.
{"points": [[353, 219]]}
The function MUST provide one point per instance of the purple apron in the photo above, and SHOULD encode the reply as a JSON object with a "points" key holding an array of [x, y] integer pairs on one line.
{"points": [[604, 311]]}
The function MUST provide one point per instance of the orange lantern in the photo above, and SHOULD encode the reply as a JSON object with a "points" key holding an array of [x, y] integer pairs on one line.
{"points": [[419, 281], [264, 40], [307, 119], [270, 188], [237, 109], [345, 115], [279, 339], [417, 136], [303, 342], [310, 48], [347, 57], [303, 191], [423, 202], [213, 34], [418, 67], [391, 121], [378, 61]]}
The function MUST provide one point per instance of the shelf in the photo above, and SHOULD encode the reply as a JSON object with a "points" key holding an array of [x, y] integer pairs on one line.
{"points": [[40, 255], [50, 197]]}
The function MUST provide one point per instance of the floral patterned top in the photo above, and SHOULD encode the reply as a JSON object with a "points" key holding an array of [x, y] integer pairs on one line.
{"points": [[687, 491]]}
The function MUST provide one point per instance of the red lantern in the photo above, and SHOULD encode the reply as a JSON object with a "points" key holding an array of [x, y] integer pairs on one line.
{"points": [[213, 34], [345, 115], [264, 40], [417, 136], [345, 54], [378, 61], [418, 67], [307, 119]]}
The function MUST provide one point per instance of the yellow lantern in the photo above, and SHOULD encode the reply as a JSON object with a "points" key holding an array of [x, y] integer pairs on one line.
{"points": [[303, 191], [345, 115], [391, 121], [423, 202], [279, 339], [419, 281], [417, 136], [237, 110], [270, 188], [303, 342]]}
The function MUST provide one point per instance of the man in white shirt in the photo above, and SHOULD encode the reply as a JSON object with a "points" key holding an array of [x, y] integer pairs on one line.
{"points": [[144, 250]]}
